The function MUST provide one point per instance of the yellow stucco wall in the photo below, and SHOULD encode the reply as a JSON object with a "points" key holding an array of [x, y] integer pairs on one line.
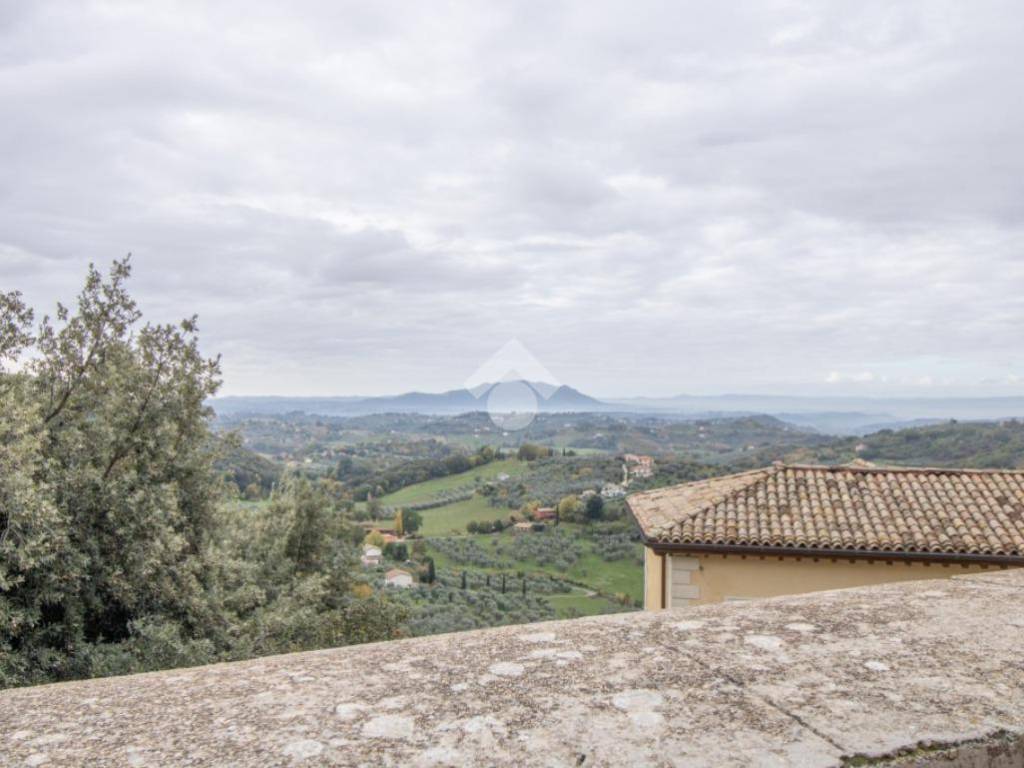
{"points": [[652, 579], [706, 578]]}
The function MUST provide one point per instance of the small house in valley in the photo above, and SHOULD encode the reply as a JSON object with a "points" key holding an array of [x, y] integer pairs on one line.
{"points": [[371, 556], [789, 529], [638, 466], [545, 513], [396, 577], [612, 491]]}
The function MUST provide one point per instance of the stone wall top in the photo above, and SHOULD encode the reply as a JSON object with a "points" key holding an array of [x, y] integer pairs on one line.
{"points": [[861, 674]]}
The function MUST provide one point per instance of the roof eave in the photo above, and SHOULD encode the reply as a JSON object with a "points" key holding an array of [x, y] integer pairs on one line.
{"points": [[663, 547]]}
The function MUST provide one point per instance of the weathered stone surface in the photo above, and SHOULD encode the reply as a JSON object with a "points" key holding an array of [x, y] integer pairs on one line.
{"points": [[790, 681]]}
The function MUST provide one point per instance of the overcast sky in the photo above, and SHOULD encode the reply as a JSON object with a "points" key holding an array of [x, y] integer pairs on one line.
{"points": [[653, 198]]}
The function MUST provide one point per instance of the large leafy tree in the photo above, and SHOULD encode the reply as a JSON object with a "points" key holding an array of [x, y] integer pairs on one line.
{"points": [[116, 553], [300, 552], [107, 492]]}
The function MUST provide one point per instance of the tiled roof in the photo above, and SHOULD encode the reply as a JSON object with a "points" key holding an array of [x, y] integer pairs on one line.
{"points": [[852, 507]]}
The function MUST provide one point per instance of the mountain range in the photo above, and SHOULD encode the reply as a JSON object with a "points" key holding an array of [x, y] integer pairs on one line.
{"points": [[833, 415], [549, 398]]}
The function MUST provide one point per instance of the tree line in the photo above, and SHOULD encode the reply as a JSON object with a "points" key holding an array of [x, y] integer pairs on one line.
{"points": [[365, 486]]}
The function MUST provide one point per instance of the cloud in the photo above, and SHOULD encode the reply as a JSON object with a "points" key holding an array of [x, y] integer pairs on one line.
{"points": [[859, 377], [655, 199]]}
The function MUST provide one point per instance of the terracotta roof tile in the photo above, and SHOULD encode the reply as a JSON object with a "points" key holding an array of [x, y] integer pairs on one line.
{"points": [[858, 507]]}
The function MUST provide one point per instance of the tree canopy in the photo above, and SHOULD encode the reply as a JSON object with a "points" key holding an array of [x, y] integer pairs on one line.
{"points": [[114, 554]]}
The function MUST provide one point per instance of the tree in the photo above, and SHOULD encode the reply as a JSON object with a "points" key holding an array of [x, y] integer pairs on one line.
{"points": [[35, 558], [411, 521], [528, 509], [399, 524], [431, 572], [568, 507], [115, 555], [293, 563], [374, 538], [531, 452], [457, 463], [362, 591], [312, 528], [595, 507], [361, 514], [343, 469], [109, 491], [374, 507]]}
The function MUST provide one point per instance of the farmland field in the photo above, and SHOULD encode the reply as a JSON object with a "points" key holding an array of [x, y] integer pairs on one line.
{"points": [[579, 604], [431, 489], [452, 518], [609, 577]]}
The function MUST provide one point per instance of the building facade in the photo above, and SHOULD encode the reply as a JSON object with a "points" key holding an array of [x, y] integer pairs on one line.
{"points": [[792, 529]]}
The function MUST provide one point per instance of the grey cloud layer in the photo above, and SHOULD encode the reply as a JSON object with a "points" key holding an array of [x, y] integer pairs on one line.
{"points": [[652, 197]]}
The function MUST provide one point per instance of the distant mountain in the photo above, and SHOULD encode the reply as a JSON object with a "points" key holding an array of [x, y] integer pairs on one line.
{"points": [[549, 398], [852, 423], [566, 398], [839, 415], [830, 415]]}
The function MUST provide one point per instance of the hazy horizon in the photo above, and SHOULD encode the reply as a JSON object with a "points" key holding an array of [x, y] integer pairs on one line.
{"points": [[655, 199], [826, 397]]}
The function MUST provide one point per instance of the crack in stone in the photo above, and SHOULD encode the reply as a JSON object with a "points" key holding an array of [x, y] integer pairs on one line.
{"points": [[849, 759], [759, 697]]}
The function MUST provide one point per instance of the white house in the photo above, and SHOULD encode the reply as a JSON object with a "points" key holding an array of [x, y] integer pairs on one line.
{"points": [[396, 577], [371, 556], [612, 491]]}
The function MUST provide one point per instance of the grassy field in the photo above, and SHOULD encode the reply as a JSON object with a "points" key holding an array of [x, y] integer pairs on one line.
{"points": [[452, 518], [579, 603], [610, 577], [431, 489]]}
